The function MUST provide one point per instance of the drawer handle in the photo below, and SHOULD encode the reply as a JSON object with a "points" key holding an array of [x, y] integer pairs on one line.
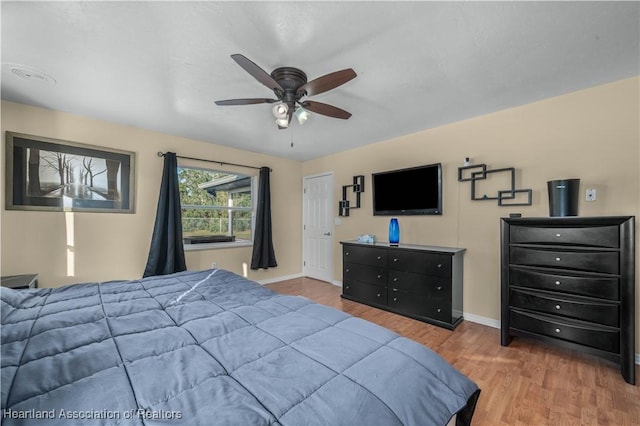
{"points": [[557, 259], [439, 288], [558, 235], [394, 289], [346, 253], [348, 270], [395, 280], [557, 282], [379, 257], [557, 330], [395, 259], [558, 307], [439, 265], [439, 310], [395, 299], [378, 294], [348, 287]]}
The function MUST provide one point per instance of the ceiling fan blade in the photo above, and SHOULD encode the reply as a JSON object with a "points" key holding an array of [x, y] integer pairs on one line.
{"points": [[324, 109], [326, 82], [249, 101], [258, 73]]}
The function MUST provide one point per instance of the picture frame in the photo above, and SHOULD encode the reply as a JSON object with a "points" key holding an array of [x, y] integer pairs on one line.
{"points": [[56, 175]]}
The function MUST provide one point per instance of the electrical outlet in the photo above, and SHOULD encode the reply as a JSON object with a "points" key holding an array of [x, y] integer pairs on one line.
{"points": [[214, 265], [590, 194]]}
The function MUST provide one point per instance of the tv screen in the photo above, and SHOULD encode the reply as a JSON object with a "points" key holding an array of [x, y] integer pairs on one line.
{"points": [[413, 191]]}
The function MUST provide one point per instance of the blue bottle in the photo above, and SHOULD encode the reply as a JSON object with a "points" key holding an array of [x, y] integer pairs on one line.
{"points": [[394, 232]]}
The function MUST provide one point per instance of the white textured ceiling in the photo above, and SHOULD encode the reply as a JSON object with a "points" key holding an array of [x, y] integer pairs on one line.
{"points": [[161, 65]]}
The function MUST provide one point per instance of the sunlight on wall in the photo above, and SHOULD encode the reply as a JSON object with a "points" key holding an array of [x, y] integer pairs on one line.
{"points": [[67, 202], [71, 266], [245, 269]]}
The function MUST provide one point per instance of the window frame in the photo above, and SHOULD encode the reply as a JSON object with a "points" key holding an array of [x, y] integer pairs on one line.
{"points": [[239, 242]]}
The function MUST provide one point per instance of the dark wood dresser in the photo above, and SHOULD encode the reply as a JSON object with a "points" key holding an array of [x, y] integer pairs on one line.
{"points": [[571, 281], [421, 282]]}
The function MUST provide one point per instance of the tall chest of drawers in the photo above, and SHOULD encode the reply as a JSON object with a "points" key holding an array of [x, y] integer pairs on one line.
{"points": [[571, 280], [421, 282]]}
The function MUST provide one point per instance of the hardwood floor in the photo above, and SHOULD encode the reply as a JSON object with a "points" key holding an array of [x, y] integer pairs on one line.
{"points": [[526, 383]]}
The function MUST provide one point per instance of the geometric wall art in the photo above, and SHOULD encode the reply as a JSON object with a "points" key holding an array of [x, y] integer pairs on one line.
{"points": [[510, 196], [358, 187]]}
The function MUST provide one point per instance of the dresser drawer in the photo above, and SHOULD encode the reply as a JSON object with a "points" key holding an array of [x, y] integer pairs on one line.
{"points": [[601, 287], [599, 337], [420, 262], [600, 261], [409, 303], [368, 274], [419, 283], [597, 236], [367, 293], [420, 305], [365, 255], [567, 306]]}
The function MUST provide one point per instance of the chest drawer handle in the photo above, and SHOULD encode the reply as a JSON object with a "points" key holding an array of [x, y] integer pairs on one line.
{"points": [[348, 287], [346, 253], [558, 235], [379, 257], [394, 289], [347, 269], [558, 307], [439, 288], [557, 282], [439, 310], [379, 276], [439, 265], [395, 259], [557, 259], [557, 330], [378, 295], [395, 280], [395, 299]]}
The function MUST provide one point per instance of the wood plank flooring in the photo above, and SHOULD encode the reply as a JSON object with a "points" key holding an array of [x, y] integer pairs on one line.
{"points": [[526, 383]]}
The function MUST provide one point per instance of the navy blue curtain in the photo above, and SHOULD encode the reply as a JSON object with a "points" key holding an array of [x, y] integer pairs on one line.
{"points": [[166, 254], [263, 255]]}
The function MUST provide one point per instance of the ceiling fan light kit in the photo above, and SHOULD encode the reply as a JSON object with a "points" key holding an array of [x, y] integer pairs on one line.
{"points": [[290, 85], [302, 115]]}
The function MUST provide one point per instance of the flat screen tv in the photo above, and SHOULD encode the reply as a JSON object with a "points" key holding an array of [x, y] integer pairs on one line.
{"points": [[413, 191]]}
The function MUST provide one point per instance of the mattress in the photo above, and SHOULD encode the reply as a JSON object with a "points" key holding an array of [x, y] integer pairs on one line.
{"points": [[211, 347]]}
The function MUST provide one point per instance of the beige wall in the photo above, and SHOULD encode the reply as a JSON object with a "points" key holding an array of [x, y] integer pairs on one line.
{"points": [[591, 134], [77, 247]]}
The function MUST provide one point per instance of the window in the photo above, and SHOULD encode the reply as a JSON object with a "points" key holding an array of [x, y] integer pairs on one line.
{"points": [[216, 203]]}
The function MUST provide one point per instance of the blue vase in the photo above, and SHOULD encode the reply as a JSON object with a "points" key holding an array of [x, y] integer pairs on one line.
{"points": [[394, 232]]}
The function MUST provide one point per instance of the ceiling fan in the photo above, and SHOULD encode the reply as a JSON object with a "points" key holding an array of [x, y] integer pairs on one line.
{"points": [[290, 85]]}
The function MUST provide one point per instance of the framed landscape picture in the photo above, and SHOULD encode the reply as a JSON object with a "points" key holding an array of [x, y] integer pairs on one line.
{"points": [[56, 175]]}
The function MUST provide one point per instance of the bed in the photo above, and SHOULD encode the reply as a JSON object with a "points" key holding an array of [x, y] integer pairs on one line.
{"points": [[211, 347]]}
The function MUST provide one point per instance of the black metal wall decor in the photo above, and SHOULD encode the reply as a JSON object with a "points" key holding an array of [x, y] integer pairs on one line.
{"points": [[481, 172], [358, 187]]}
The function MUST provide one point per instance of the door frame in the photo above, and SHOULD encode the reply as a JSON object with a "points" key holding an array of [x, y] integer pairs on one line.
{"points": [[331, 221]]}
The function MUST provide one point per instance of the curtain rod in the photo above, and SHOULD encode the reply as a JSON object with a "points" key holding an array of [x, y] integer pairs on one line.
{"points": [[222, 163]]}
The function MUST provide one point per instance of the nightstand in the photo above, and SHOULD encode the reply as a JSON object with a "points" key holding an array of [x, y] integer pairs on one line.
{"points": [[20, 281]]}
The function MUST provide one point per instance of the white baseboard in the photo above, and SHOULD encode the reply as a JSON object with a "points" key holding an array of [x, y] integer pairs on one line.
{"points": [[489, 322], [336, 283], [278, 279]]}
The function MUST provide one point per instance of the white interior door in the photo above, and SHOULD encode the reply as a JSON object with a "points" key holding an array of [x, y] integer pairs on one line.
{"points": [[317, 233]]}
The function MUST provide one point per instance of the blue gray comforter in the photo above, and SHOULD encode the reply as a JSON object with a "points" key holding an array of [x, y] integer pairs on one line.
{"points": [[211, 347]]}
